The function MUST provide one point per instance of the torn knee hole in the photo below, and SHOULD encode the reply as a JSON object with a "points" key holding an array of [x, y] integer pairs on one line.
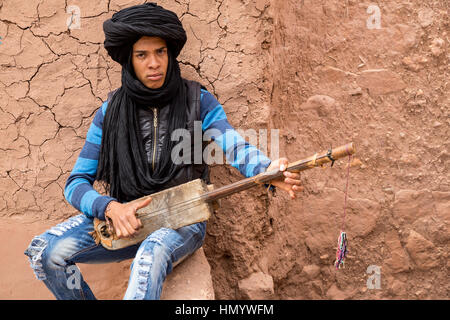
{"points": [[34, 253]]}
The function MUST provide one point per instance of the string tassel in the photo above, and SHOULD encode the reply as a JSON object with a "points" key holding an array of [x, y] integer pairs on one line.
{"points": [[341, 252]]}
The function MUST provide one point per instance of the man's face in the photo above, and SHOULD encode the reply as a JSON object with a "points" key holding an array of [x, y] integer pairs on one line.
{"points": [[150, 60]]}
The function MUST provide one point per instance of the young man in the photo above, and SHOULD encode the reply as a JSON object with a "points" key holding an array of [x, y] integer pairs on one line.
{"points": [[128, 148]]}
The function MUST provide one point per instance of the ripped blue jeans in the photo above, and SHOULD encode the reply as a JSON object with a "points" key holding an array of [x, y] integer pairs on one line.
{"points": [[53, 255]]}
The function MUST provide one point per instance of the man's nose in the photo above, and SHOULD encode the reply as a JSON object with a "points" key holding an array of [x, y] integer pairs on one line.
{"points": [[153, 62]]}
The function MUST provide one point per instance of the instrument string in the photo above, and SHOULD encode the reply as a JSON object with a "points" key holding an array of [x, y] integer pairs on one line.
{"points": [[342, 249], [183, 206]]}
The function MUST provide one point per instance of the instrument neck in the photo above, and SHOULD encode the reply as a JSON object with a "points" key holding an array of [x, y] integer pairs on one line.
{"points": [[265, 177]]}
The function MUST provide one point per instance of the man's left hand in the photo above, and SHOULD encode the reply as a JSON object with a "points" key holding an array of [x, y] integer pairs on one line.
{"points": [[290, 181]]}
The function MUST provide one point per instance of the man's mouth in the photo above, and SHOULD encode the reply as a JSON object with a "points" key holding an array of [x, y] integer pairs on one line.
{"points": [[154, 77]]}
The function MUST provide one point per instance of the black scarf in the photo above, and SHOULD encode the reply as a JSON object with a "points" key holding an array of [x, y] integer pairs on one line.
{"points": [[123, 165]]}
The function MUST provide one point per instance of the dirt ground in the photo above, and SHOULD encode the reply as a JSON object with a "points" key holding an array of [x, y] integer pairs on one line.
{"points": [[323, 73]]}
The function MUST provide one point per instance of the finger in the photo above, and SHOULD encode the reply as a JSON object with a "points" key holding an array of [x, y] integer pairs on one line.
{"points": [[123, 234], [283, 164], [139, 222], [292, 194], [289, 188], [143, 203], [130, 230], [109, 224], [117, 227], [130, 219], [283, 186], [118, 232], [127, 229], [293, 181], [291, 175], [134, 222], [121, 231]]}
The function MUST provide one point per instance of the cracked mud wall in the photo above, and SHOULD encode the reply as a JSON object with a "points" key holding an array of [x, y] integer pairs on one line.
{"points": [[336, 79], [53, 79], [311, 69]]}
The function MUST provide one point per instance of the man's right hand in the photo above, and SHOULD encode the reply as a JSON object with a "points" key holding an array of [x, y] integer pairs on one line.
{"points": [[123, 217]]}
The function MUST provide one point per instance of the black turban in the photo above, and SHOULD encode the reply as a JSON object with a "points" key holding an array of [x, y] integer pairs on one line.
{"points": [[123, 165], [128, 25]]}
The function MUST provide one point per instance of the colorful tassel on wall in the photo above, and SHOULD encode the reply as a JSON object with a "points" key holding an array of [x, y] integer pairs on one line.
{"points": [[341, 250]]}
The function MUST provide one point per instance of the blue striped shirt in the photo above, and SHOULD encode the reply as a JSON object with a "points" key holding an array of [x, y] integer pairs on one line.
{"points": [[79, 190]]}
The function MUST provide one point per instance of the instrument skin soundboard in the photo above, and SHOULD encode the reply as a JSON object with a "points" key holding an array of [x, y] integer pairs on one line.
{"points": [[171, 208]]}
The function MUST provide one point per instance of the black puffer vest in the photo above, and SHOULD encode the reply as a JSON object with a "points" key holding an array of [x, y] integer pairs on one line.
{"points": [[153, 124]]}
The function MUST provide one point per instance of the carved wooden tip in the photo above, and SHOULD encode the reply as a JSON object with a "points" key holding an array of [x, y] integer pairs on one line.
{"points": [[345, 150], [351, 149]]}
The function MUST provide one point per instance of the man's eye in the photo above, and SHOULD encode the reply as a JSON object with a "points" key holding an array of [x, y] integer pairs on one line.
{"points": [[140, 55], [161, 51]]}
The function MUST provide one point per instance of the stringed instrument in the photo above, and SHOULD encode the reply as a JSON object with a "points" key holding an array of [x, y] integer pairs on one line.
{"points": [[195, 201]]}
